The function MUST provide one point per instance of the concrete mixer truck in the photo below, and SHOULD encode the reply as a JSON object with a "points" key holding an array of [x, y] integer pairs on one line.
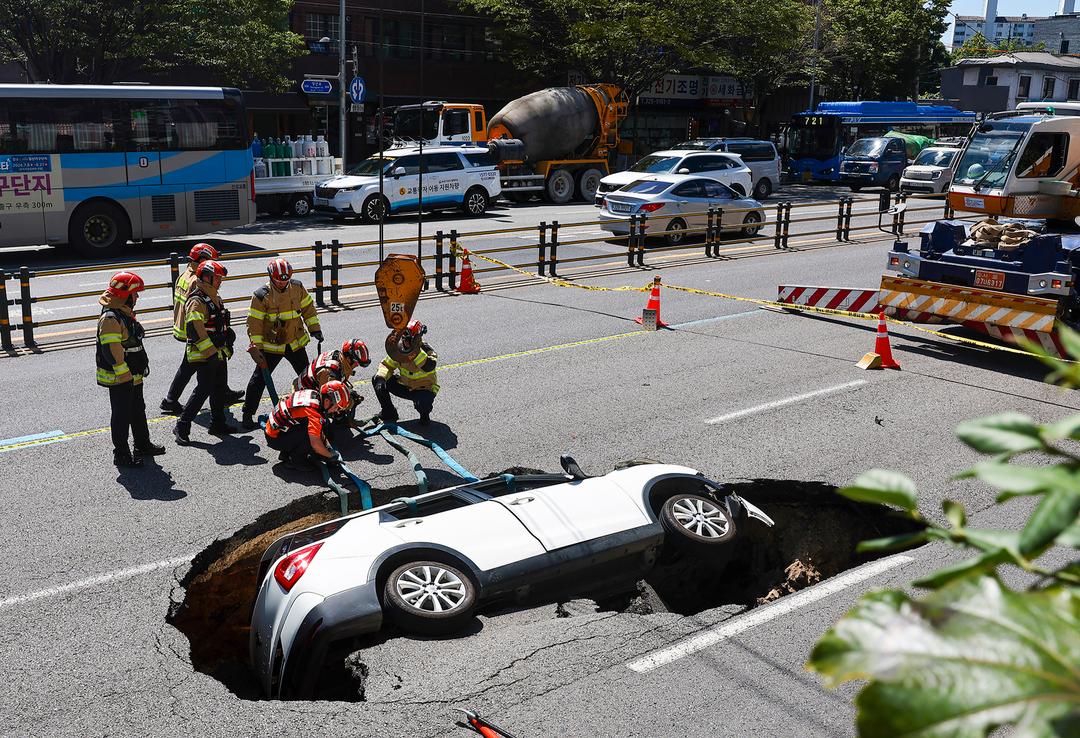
{"points": [[553, 143]]}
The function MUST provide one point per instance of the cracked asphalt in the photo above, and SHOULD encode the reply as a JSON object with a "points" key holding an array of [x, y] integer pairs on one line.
{"points": [[99, 659]]}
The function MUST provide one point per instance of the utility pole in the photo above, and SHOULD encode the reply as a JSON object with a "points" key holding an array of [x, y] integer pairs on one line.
{"points": [[379, 134], [342, 120], [817, 41], [423, 110]]}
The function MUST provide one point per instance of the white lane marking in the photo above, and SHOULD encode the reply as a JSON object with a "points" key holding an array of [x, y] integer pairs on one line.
{"points": [[112, 576], [764, 614], [717, 319], [785, 401]]}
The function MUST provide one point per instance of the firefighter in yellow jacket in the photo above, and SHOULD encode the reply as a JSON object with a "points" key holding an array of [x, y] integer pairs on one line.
{"points": [[121, 365], [199, 253], [281, 318], [411, 377]]}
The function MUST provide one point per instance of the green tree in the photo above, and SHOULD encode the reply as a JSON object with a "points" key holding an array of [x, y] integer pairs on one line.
{"points": [[238, 42], [974, 653], [877, 49], [977, 47]]}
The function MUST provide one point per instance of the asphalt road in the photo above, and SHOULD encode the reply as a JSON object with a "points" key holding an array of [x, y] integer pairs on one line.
{"points": [[93, 556]]}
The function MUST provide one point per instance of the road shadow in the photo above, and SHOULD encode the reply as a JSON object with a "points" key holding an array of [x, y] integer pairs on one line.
{"points": [[150, 482], [438, 432], [237, 450]]}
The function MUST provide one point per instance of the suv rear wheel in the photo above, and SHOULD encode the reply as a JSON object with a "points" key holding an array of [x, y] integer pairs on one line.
{"points": [[696, 524], [763, 188], [429, 597], [475, 202]]}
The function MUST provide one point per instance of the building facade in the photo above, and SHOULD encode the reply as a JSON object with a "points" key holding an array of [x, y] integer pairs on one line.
{"points": [[1003, 28], [999, 83]]}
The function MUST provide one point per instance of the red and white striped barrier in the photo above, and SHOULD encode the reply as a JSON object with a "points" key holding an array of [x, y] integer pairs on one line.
{"points": [[1049, 341], [832, 298]]}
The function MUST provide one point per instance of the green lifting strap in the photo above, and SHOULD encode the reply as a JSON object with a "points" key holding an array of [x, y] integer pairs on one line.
{"points": [[361, 485], [343, 495]]}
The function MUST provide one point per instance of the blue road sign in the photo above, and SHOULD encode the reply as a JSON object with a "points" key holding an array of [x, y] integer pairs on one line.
{"points": [[316, 86], [357, 88]]}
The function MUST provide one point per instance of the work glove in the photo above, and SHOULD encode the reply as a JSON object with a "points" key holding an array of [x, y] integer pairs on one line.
{"points": [[317, 335], [256, 355], [378, 383]]}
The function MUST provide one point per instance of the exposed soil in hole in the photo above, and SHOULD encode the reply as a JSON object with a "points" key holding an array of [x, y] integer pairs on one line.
{"points": [[815, 537]]}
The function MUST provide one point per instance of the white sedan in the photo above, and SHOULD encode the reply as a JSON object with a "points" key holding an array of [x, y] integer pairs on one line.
{"points": [[677, 206], [722, 167], [427, 562]]}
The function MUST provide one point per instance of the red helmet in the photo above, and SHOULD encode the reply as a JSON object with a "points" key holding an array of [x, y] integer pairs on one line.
{"points": [[123, 284], [280, 272], [201, 252], [338, 394], [357, 352], [210, 269], [415, 328]]}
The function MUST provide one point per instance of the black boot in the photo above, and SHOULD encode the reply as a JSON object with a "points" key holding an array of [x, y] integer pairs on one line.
{"points": [[249, 423], [149, 449], [171, 407], [234, 396], [221, 427], [123, 458], [182, 432], [388, 415], [425, 419]]}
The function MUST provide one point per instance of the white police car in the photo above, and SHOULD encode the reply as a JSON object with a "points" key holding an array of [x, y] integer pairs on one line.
{"points": [[454, 176]]}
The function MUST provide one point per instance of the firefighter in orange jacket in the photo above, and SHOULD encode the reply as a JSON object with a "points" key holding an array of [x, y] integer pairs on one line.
{"points": [[339, 365], [296, 428]]}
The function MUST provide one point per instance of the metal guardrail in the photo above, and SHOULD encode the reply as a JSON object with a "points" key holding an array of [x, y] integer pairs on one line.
{"points": [[328, 267]]}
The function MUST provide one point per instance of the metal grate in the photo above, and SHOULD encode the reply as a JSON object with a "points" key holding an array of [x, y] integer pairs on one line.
{"points": [[163, 208], [217, 205]]}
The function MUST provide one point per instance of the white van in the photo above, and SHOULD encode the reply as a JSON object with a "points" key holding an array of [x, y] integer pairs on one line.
{"points": [[761, 156], [462, 177]]}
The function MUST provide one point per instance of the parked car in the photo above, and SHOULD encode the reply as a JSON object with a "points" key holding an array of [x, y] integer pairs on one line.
{"points": [[422, 562], [462, 177], [678, 204], [726, 168], [932, 171], [873, 162], [761, 156]]}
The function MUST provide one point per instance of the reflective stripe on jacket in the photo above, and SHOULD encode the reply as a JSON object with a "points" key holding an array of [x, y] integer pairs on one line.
{"points": [[417, 372], [207, 326], [302, 407], [119, 341], [280, 320], [181, 292]]}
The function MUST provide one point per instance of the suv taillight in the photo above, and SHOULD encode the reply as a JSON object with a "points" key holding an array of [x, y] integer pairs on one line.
{"points": [[292, 567]]}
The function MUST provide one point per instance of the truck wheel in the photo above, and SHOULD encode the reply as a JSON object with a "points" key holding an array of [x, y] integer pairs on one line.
{"points": [[99, 228], [374, 207], [560, 187], [300, 206], [475, 202], [588, 183]]}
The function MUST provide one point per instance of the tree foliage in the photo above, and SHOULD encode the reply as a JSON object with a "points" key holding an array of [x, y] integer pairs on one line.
{"points": [[238, 42], [975, 654], [978, 47]]}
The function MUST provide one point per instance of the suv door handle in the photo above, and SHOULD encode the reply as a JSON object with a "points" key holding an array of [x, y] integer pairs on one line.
{"points": [[407, 523], [522, 500]]}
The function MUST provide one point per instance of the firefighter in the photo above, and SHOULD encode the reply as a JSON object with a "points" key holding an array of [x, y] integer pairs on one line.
{"points": [[413, 378], [121, 366], [296, 428], [209, 346], [280, 321], [338, 364], [199, 253]]}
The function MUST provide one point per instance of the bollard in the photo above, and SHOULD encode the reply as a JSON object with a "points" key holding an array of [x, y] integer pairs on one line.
{"points": [[318, 248], [901, 200], [787, 225], [642, 228], [24, 302], [847, 218], [554, 260], [631, 241], [174, 268], [884, 200], [717, 230], [438, 261], [335, 269], [5, 320], [840, 219], [709, 231], [779, 225], [454, 248], [541, 259], [947, 212]]}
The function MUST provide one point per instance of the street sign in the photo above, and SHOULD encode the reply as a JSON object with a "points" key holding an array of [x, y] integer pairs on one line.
{"points": [[357, 88], [316, 86], [355, 108]]}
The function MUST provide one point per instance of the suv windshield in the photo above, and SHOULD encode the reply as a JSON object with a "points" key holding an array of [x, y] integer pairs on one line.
{"points": [[655, 164], [871, 147], [935, 157], [370, 167], [987, 158]]}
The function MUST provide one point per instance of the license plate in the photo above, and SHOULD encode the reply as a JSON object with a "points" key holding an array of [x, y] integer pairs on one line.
{"points": [[974, 202], [321, 201], [618, 207], [989, 280]]}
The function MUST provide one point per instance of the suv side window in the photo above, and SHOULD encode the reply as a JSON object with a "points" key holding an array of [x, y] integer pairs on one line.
{"points": [[448, 162], [753, 151], [411, 164], [480, 159], [705, 163]]}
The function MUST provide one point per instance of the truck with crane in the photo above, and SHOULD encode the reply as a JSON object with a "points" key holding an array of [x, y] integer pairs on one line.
{"points": [[553, 143]]}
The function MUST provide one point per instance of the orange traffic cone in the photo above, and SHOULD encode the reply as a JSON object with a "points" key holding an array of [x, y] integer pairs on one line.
{"points": [[652, 305], [882, 347], [468, 285]]}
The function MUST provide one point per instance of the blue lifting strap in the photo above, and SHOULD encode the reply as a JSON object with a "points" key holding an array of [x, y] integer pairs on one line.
{"points": [[410, 502]]}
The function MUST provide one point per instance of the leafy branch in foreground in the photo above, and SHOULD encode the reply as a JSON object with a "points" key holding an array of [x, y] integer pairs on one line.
{"points": [[974, 654]]}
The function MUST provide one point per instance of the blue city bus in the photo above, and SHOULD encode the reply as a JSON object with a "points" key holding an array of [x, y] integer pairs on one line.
{"points": [[97, 166], [815, 139]]}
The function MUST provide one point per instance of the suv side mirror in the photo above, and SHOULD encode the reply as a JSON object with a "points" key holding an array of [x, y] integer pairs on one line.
{"points": [[398, 172], [684, 170]]}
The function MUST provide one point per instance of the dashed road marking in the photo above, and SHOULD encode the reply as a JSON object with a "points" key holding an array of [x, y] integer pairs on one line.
{"points": [[785, 401], [764, 614]]}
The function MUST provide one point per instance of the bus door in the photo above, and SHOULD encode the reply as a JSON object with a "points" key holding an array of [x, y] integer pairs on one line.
{"points": [[144, 184]]}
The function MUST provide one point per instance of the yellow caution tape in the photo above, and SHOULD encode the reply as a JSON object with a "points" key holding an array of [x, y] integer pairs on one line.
{"points": [[560, 282]]}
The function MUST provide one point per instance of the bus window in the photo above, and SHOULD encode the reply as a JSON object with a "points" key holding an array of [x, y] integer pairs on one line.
{"points": [[1044, 155], [37, 126]]}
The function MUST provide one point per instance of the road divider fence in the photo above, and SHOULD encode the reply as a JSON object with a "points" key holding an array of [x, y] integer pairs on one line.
{"points": [[547, 246]]}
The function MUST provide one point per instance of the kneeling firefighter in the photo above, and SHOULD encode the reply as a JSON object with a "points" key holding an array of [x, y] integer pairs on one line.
{"points": [[339, 365], [411, 376], [121, 366], [296, 427]]}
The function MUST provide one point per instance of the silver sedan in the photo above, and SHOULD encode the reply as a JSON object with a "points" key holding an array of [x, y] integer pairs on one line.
{"points": [[677, 205]]}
